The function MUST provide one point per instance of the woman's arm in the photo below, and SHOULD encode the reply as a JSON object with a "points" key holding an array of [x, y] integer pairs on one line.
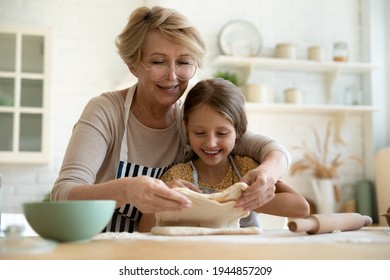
{"points": [[148, 194], [90, 163], [271, 155], [274, 162]]}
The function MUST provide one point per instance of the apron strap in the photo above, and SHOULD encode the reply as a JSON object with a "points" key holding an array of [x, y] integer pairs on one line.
{"points": [[195, 176], [127, 104], [235, 167], [181, 128]]}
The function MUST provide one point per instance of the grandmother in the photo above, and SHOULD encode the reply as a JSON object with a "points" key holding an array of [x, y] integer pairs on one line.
{"points": [[126, 139]]}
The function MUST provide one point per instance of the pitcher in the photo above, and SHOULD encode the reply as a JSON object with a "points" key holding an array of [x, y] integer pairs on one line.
{"points": [[324, 195]]}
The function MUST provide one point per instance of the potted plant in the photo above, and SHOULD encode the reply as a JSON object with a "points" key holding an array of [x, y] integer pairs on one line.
{"points": [[227, 75], [322, 166]]}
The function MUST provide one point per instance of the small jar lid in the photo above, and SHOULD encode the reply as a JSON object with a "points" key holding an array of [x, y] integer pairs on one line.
{"points": [[340, 45]]}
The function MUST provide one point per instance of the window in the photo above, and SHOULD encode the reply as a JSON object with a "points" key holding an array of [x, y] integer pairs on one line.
{"points": [[24, 97]]}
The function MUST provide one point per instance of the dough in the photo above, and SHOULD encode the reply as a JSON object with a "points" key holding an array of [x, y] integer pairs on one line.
{"points": [[230, 194], [214, 210], [187, 231]]}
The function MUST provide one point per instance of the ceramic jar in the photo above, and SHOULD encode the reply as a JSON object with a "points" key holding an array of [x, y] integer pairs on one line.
{"points": [[293, 96], [316, 53], [260, 93], [287, 51]]}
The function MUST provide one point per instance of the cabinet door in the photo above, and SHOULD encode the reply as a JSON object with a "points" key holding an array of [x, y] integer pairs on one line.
{"points": [[23, 94]]}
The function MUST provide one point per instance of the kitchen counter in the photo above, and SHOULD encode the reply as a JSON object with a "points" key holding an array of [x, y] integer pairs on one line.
{"points": [[371, 243]]}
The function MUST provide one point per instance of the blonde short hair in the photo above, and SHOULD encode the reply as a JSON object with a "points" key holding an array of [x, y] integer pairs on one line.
{"points": [[171, 24]]}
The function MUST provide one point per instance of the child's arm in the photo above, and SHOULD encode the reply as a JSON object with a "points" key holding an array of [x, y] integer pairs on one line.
{"points": [[287, 203]]}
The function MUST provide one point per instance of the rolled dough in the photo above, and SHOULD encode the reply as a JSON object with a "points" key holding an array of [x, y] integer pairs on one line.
{"points": [[187, 231], [209, 211]]}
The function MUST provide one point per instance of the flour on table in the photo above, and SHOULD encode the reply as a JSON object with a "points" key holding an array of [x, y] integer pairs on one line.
{"points": [[187, 231]]}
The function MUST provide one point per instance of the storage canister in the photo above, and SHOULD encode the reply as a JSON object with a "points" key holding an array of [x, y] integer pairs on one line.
{"points": [[286, 51], [340, 51]]}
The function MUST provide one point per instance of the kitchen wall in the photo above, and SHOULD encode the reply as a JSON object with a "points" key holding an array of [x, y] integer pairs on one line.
{"points": [[85, 64]]}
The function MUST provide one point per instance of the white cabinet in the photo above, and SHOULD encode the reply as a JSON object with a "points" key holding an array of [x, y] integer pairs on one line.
{"points": [[24, 94]]}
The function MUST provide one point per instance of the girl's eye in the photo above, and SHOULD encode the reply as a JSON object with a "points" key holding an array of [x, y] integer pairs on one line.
{"points": [[198, 133], [223, 133]]}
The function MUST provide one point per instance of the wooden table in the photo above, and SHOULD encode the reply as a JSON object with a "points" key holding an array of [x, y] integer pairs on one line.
{"points": [[371, 243]]}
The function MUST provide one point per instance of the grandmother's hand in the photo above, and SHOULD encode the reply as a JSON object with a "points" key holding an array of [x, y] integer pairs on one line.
{"points": [[152, 195], [180, 183], [261, 189]]}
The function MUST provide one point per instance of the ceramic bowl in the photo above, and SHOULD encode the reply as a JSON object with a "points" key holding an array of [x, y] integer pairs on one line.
{"points": [[69, 221]]}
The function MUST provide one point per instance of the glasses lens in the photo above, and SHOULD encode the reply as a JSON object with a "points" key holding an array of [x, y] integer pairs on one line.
{"points": [[185, 71], [160, 72]]}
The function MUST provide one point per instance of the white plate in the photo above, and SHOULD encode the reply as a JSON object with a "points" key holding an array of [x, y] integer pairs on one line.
{"points": [[240, 38]]}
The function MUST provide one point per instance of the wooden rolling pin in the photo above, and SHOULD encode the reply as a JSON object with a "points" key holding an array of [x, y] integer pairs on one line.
{"points": [[326, 223]]}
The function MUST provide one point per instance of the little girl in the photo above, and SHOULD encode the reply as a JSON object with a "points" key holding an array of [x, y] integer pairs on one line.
{"points": [[215, 119]]}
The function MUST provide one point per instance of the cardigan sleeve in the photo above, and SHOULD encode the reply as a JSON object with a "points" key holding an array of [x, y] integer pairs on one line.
{"points": [[257, 146], [91, 148]]}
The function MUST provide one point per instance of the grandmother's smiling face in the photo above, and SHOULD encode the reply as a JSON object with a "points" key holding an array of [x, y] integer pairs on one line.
{"points": [[159, 51]]}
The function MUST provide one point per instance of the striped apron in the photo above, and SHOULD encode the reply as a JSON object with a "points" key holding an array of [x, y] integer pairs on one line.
{"points": [[253, 220], [127, 217]]}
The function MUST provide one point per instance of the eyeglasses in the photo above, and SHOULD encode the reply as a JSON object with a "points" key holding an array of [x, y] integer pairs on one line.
{"points": [[159, 72]]}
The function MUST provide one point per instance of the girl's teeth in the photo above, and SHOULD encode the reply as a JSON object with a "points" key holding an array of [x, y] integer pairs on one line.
{"points": [[211, 152]]}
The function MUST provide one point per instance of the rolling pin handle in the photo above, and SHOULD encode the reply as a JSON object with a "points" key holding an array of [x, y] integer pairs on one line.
{"points": [[308, 224]]}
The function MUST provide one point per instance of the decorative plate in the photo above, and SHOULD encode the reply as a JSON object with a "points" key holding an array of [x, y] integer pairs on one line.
{"points": [[240, 38]]}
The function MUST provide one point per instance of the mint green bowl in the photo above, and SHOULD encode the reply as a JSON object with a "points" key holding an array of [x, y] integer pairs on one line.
{"points": [[69, 221]]}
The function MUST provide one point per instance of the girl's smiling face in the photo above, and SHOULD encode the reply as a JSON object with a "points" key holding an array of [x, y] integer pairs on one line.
{"points": [[211, 135]]}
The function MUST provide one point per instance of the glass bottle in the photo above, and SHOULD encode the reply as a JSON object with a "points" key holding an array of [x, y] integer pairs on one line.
{"points": [[353, 95], [340, 51]]}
